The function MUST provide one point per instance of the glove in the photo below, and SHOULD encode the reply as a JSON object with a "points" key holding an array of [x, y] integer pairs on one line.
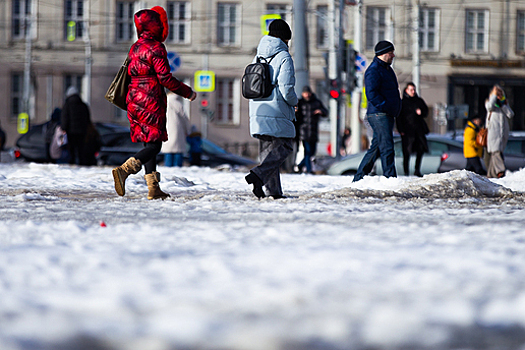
{"points": [[500, 102]]}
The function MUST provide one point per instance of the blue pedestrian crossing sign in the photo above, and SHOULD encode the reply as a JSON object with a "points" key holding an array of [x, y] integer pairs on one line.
{"points": [[360, 62], [174, 61], [204, 81], [266, 20]]}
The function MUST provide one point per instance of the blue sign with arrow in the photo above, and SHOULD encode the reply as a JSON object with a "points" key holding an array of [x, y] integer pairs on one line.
{"points": [[174, 61]]}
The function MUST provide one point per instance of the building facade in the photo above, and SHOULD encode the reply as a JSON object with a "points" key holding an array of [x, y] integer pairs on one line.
{"points": [[464, 48]]}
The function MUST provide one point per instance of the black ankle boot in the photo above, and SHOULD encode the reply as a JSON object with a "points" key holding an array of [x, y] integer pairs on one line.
{"points": [[258, 191]]}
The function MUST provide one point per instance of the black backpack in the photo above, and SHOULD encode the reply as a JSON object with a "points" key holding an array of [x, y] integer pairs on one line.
{"points": [[257, 80]]}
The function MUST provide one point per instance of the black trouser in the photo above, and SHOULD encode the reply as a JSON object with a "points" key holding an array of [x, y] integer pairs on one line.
{"points": [[411, 144], [474, 164], [148, 155], [273, 151], [76, 148]]}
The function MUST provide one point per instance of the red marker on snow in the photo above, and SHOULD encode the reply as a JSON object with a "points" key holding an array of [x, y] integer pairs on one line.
{"points": [[102, 224]]}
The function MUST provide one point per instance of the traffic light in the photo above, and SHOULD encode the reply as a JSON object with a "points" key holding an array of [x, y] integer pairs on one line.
{"points": [[334, 89], [71, 32]]}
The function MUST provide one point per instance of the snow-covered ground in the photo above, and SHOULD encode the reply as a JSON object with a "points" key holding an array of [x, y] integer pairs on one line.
{"points": [[406, 263]]}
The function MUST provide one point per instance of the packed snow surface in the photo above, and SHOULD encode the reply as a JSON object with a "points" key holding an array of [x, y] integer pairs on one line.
{"points": [[408, 263]]}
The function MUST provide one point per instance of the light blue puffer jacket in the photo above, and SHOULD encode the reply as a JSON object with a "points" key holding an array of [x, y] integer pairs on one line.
{"points": [[274, 115]]}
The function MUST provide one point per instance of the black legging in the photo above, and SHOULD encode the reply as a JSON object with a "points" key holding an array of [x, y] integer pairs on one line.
{"points": [[148, 155]]}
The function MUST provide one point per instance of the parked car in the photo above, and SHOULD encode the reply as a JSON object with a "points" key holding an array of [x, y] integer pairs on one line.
{"points": [[431, 161], [31, 146], [117, 147]]}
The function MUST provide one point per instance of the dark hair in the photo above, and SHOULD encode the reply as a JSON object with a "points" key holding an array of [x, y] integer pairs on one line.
{"points": [[280, 29]]}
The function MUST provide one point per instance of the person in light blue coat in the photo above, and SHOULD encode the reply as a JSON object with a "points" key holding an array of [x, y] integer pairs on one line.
{"points": [[271, 118]]}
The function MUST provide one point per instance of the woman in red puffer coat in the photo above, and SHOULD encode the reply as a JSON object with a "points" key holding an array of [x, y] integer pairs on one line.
{"points": [[150, 74]]}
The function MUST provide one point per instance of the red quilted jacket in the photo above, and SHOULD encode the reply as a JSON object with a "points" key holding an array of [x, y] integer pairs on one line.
{"points": [[150, 73]]}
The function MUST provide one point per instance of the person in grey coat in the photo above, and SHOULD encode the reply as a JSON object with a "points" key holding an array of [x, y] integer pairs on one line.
{"points": [[498, 116], [271, 118], [178, 127]]}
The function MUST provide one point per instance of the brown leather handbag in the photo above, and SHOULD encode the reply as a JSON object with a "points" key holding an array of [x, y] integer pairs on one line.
{"points": [[481, 137], [118, 90]]}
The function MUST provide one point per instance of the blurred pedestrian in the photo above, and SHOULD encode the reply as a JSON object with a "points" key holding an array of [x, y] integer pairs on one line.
{"points": [[346, 142], [498, 116], [384, 105], [413, 128], [471, 150], [271, 118], [194, 139], [92, 144], [178, 127], [75, 119], [150, 74], [309, 110], [49, 130], [58, 150], [2, 139]]}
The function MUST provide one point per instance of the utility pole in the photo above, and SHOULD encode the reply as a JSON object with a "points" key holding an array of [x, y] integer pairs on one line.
{"points": [[416, 60], [88, 59], [333, 75], [27, 64], [300, 46], [355, 121]]}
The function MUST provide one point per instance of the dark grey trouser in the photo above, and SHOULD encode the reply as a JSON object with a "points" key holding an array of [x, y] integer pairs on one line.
{"points": [[273, 151]]}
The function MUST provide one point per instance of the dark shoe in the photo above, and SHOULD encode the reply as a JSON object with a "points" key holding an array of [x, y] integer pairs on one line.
{"points": [[258, 191], [418, 173], [278, 196]]}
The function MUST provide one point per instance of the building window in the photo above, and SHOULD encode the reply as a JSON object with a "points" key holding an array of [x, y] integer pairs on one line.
{"points": [[179, 17], [74, 12], [477, 30], [20, 18], [73, 80], [228, 101], [322, 27], [227, 24], [277, 9], [17, 86], [377, 20], [124, 22], [520, 35], [429, 29]]}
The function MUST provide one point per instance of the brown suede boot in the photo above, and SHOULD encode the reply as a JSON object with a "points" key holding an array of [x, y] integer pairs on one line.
{"points": [[121, 173], [154, 191]]}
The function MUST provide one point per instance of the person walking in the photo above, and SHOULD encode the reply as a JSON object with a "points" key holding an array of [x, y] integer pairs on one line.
{"points": [[471, 150], [309, 110], [150, 74], [384, 105], [2, 139], [194, 139], [178, 127], [413, 128], [75, 119], [271, 118], [498, 129]]}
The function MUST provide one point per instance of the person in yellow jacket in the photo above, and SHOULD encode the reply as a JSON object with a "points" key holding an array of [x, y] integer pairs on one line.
{"points": [[471, 150]]}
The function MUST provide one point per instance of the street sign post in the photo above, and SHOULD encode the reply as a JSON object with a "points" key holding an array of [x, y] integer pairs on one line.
{"points": [[174, 61], [266, 20], [23, 123], [204, 81]]}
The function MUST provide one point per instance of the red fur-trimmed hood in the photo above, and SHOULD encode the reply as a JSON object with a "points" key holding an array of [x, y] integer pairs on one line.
{"points": [[152, 22]]}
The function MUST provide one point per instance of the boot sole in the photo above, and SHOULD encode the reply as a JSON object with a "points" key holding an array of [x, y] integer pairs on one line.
{"points": [[119, 188], [159, 197]]}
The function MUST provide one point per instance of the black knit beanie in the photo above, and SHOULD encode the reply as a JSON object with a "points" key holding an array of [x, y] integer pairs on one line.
{"points": [[383, 47], [280, 29]]}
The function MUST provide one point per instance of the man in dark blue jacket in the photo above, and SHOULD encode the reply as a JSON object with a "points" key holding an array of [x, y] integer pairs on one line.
{"points": [[384, 105]]}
